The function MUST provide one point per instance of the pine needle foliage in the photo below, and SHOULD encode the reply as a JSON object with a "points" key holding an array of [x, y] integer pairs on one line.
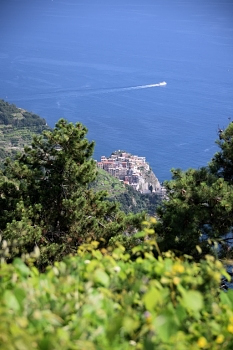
{"points": [[46, 200]]}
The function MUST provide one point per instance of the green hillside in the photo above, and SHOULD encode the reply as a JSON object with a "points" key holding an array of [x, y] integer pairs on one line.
{"points": [[130, 200], [17, 127], [106, 182]]}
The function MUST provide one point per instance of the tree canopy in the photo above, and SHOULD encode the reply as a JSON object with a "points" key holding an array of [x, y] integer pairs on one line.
{"points": [[222, 162], [199, 205], [45, 199]]}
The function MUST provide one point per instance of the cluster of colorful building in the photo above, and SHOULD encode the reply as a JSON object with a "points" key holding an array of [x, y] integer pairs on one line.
{"points": [[131, 170]]}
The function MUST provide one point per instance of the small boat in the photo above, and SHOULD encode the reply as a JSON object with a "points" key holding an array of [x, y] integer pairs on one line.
{"points": [[162, 83]]}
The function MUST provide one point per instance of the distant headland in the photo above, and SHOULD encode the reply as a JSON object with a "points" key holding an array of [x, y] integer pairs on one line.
{"points": [[131, 170]]}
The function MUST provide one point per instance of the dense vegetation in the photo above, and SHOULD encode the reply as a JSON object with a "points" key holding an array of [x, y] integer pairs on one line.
{"points": [[199, 209], [17, 127], [46, 202], [130, 200], [78, 273], [103, 300]]}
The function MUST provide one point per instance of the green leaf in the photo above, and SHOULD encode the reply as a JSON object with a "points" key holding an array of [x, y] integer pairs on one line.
{"points": [[224, 297], [21, 267], [181, 313], [11, 301], [130, 324], [166, 325], [20, 295], [151, 298], [230, 296], [101, 276], [148, 344], [45, 343], [140, 234], [192, 300], [114, 327]]}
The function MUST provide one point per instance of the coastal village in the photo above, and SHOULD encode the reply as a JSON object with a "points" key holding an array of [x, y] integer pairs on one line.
{"points": [[131, 170]]}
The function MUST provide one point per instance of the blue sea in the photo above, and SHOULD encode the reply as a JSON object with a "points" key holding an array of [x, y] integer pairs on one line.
{"points": [[100, 62]]}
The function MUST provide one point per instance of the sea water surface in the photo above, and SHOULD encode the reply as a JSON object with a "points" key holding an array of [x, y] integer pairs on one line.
{"points": [[102, 62]]}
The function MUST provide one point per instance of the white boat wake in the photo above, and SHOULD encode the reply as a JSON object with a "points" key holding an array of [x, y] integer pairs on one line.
{"points": [[138, 87], [90, 91]]}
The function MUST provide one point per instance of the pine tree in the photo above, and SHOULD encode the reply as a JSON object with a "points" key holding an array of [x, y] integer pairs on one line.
{"points": [[51, 205], [222, 162], [199, 205]]}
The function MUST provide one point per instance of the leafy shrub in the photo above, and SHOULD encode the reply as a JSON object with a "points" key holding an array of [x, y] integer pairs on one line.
{"points": [[104, 300]]}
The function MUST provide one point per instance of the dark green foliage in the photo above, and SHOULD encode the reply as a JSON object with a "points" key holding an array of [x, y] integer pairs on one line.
{"points": [[17, 128], [46, 197], [11, 115], [199, 205], [222, 162], [9, 197], [132, 201]]}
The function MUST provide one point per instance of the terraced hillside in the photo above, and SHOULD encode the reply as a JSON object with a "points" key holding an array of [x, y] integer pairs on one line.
{"points": [[17, 127]]}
